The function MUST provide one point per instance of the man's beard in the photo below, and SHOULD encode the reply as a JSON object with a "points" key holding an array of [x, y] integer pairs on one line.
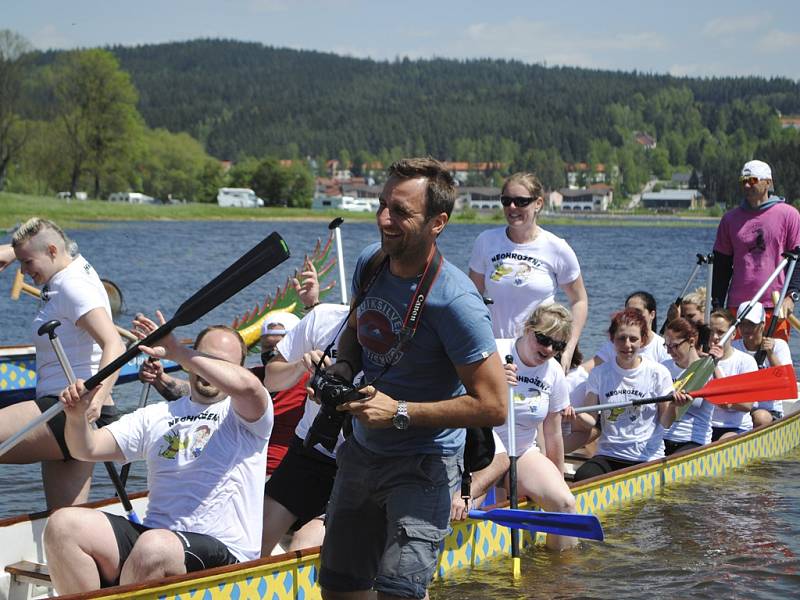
{"points": [[205, 389]]}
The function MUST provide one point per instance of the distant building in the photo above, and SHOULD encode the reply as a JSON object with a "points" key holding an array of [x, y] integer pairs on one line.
{"points": [[553, 200], [792, 121], [644, 139], [461, 170], [358, 188], [582, 174], [680, 181], [673, 199], [478, 198], [598, 197]]}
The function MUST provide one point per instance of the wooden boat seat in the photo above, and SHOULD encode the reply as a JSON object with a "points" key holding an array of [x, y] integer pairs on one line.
{"points": [[30, 572]]}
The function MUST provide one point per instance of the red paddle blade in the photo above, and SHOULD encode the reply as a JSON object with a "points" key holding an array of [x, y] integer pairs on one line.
{"points": [[775, 383]]}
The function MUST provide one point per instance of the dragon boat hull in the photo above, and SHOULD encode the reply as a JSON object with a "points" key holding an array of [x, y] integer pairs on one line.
{"points": [[18, 373], [294, 575]]}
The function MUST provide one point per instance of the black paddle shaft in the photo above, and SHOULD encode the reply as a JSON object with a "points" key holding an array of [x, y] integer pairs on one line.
{"points": [[260, 259]]}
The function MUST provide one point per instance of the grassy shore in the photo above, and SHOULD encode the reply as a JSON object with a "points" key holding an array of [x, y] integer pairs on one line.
{"points": [[16, 208]]}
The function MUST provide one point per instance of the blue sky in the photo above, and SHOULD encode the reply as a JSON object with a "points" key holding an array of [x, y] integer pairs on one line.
{"points": [[699, 38]]}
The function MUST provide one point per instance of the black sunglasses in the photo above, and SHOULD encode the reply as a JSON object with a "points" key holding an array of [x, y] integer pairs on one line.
{"points": [[519, 201], [546, 340]]}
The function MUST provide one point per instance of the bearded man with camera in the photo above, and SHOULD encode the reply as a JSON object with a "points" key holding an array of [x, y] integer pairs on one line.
{"points": [[421, 333]]}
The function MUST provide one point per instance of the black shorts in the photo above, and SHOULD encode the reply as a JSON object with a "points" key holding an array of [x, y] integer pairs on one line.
{"points": [[199, 551], [718, 432], [303, 481], [108, 414], [600, 465], [671, 447]]}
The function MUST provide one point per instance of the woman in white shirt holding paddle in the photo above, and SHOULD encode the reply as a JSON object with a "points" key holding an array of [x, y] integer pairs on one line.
{"points": [[630, 434], [74, 295], [693, 428], [729, 419], [540, 393]]}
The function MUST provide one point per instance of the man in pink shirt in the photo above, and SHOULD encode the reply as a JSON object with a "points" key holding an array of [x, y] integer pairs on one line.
{"points": [[749, 244]]}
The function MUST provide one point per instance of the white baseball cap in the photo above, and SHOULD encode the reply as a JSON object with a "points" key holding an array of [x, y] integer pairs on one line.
{"points": [[757, 168], [279, 318], [756, 313]]}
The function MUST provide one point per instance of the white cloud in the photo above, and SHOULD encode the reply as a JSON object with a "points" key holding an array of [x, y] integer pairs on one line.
{"points": [[687, 70], [49, 36], [734, 25], [779, 41], [545, 42]]}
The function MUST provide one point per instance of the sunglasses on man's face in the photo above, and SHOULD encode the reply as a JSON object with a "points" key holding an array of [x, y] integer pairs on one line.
{"points": [[519, 201], [749, 180], [547, 341]]}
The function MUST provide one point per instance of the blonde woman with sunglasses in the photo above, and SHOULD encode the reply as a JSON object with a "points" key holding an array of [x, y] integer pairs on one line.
{"points": [[521, 266], [540, 393]]}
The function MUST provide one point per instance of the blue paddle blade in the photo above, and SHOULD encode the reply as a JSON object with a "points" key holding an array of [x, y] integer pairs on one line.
{"points": [[581, 526]]}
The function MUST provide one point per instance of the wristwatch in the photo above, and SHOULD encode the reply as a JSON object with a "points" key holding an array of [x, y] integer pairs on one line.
{"points": [[795, 296], [401, 420]]}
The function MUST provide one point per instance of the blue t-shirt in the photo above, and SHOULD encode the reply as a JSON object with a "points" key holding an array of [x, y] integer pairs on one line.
{"points": [[455, 329]]}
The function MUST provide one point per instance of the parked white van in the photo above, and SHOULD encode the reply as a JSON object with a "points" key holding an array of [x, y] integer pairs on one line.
{"points": [[238, 197], [132, 197], [348, 203]]}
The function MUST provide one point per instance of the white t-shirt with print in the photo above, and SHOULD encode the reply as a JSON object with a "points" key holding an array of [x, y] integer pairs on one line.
{"points": [[633, 433], [784, 356], [206, 469], [70, 294], [695, 424], [738, 363], [314, 332], [539, 391], [520, 277], [654, 350]]}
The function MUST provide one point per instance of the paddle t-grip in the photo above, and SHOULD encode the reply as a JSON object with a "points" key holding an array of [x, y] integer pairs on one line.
{"points": [[509, 359], [49, 328], [337, 233]]}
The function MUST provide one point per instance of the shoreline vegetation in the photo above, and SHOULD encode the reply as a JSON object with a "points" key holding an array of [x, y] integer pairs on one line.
{"points": [[16, 208]]}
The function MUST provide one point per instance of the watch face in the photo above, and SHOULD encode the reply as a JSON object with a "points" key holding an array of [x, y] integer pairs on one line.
{"points": [[401, 421]]}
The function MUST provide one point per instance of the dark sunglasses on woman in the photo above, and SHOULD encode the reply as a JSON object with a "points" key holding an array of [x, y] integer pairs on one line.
{"points": [[546, 340], [519, 201]]}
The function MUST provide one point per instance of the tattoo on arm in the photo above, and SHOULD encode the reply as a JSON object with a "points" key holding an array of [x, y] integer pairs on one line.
{"points": [[174, 389]]}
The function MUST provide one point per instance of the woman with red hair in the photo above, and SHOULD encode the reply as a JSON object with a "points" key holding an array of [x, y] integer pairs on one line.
{"points": [[632, 434]]}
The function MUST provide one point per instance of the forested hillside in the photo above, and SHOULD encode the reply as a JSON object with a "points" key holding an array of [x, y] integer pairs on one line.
{"points": [[248, 100]]}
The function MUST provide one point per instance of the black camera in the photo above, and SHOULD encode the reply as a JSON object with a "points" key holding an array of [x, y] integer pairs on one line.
{"points": [[332, 390]]}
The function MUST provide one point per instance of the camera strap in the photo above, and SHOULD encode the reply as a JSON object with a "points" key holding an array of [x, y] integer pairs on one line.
{"points": [[414, 313]]}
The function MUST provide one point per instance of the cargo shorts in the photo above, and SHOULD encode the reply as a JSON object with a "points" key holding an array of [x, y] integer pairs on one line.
{"points": [[386, 519]]}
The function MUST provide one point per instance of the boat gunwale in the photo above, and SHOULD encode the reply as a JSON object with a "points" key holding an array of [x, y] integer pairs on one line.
{"points": [[298, 557], [677, 457]]}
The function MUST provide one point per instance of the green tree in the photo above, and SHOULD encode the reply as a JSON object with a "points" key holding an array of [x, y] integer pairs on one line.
{"points": [[96, 106], [173, 164], [13, 51], [271, 182], [301, 186], [210, 179]]}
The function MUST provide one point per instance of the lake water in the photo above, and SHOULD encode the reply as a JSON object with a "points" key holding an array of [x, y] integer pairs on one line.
{"points": [[707, 539]]}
